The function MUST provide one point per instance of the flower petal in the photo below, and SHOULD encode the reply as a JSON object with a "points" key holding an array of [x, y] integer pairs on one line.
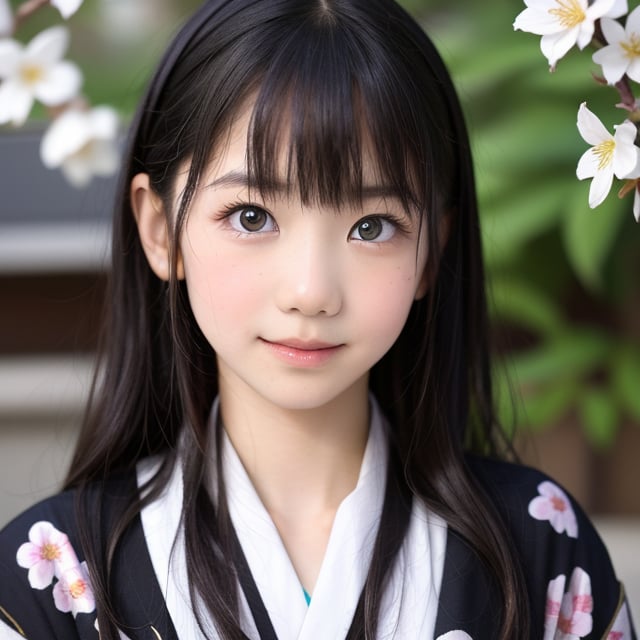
{"points": [[103, 122], [635, 171], [599, 8], [77, 171], [613, 61], [585, 34], [48, 46], [15, 103], [6, 18], [625, 155], [10, 56], [105, 158], [619, 9], [590, 126], [555, 46], [587, 165], [83, 144], [41, 574], [67, 7], [612, 30], [28, 554], [60, 84], [600, 187], [633, 22], [67, 134], [540, 508], [540, 22]]}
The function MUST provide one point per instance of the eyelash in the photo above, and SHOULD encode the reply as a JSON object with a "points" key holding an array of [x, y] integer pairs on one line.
{"points": [[399, 225]]}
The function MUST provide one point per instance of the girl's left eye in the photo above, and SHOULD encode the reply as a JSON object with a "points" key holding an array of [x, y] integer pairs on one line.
{"points": [[373, 229], [252, 219]]}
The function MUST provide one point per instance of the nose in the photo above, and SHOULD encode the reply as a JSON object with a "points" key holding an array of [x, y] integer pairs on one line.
{"points": [[310, 281]]}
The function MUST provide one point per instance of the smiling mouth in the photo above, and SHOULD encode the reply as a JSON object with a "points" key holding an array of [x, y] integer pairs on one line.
{"points": [[303, 353]]}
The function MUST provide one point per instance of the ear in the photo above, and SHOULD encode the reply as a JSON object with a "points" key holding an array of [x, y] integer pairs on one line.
{"points": [[430, 272], [153, 229]]}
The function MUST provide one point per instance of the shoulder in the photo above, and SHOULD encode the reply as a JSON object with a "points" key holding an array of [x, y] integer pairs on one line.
{"points": [[535, 507], [44, 581], [566, 565]]}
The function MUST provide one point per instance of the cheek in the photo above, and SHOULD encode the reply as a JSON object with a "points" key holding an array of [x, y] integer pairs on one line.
{"points": [[388, 303], [222, 292]]}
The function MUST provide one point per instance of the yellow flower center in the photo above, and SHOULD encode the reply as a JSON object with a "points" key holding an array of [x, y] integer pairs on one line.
{"points": [[49, 551], [569, 13], [604, 153], [31, 73], [77, 588], [632, 46]]}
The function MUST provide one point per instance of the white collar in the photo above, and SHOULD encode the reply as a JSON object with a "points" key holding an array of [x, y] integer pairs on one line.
{"points": [[347, 557], [410, 604]]}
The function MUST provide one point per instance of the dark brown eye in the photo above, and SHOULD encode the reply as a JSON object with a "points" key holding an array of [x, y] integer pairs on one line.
{"points": [[252, 220]]}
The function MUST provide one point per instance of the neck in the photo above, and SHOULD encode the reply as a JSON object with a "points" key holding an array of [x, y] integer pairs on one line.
{"points": [[301, 462]]}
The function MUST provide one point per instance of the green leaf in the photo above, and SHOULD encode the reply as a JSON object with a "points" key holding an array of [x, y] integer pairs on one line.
{"points": [[569, 356], [533, 409], [589, 236], [625, 378], [510, 224], [545, 406], [524, 305], [600, 417]]}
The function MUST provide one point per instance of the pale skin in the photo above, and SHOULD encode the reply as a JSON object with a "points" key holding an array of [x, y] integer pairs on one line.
{"points": [[298, 301]]}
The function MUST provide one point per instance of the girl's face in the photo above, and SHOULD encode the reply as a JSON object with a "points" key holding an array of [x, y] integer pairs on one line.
{"points": [[298, 301]]}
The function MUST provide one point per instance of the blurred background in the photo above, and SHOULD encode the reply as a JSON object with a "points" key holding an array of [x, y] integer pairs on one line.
{"points": [[564, 298]]}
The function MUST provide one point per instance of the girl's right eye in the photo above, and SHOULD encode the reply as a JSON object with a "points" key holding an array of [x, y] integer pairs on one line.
{"points": [[252, 219]]}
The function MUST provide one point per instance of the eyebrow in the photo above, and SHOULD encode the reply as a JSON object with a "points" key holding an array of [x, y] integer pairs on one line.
{"points": [[241, 179]]}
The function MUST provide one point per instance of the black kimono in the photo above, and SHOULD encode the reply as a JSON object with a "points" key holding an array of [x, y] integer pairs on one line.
{"points": [[573, 592]]}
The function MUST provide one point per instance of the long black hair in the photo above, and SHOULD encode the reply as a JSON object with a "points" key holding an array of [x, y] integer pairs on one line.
{"points": [[326, 78]]}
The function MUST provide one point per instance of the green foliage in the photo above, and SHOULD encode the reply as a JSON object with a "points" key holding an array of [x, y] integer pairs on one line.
{"points": [[558, 270]]}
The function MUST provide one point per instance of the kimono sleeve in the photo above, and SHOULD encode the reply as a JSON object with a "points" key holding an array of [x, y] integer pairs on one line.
{"points": [[573, 589]]}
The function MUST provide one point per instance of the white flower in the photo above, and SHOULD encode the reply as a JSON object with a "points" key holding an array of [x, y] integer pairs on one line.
{"points": [[636, 203], [35, 71], [564, 23], [67, 7], [6, 18], [622, 53], [83, 144], [609, 154]]}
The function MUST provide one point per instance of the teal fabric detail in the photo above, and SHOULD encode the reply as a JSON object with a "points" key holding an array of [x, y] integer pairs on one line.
{"points": [[307, 597]]}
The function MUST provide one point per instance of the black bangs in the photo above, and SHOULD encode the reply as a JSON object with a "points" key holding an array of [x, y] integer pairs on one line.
{"points": [[338, 109]]}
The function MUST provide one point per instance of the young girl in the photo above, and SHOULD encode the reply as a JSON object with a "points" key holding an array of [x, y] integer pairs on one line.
{"points": [[291, 431]]}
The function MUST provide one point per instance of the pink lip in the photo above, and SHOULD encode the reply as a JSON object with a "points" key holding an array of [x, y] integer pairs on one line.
{"points": [[301, 353]]}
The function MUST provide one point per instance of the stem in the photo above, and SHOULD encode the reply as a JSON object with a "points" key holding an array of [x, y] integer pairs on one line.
{"points": [[626, 95], [26, 10]]}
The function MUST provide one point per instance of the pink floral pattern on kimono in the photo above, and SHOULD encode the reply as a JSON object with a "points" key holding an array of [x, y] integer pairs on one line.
{"points": [[621, 628], [73, 593], [46, 555], [49, 557], [554, 505], [568, 615]]}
